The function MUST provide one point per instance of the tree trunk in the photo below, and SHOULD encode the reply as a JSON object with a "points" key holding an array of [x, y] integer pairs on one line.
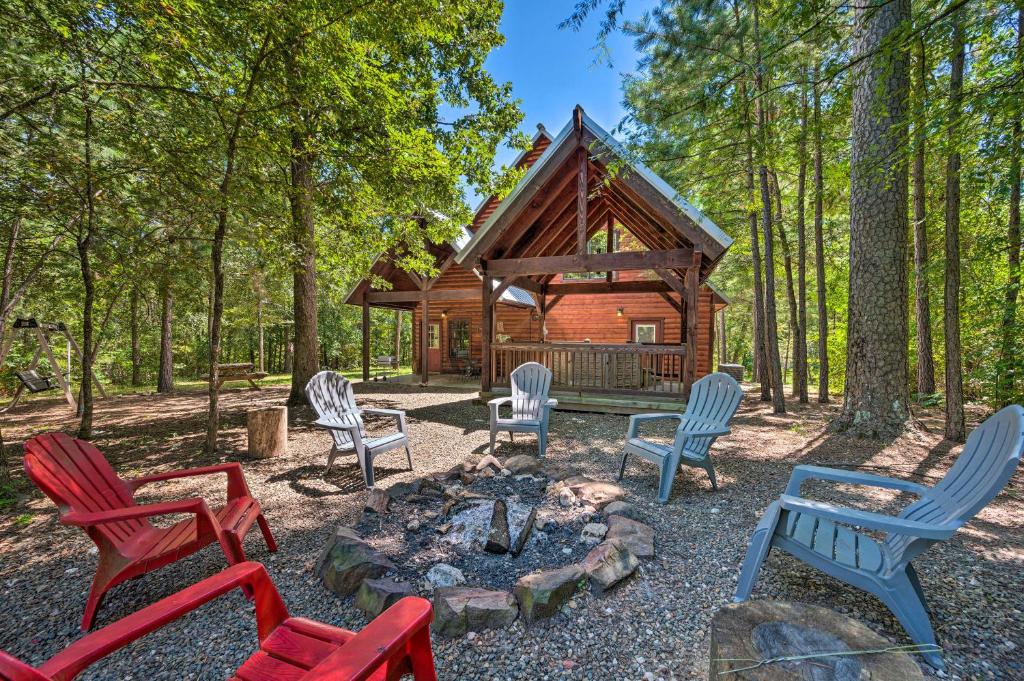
{"points": [[165, 376], [951, 292], [85, 405], [876, 397], [787, 260], [800, 362], [1006, 381], [136, 348], [305, 360], [923, 313], [259, 335], [760, 359], [398, 337], [819, 248], [771, 329]]}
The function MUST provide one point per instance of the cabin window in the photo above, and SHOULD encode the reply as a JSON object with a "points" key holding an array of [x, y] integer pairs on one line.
{"points": [[646, 331], [597, 244], [434, 337], [458, 338]]}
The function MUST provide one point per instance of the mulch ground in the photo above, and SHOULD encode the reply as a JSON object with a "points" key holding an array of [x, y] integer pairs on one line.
{"points": [[653, 626]]}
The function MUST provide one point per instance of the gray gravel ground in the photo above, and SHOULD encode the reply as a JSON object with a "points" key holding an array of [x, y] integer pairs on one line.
{"points": [[653, 626]]}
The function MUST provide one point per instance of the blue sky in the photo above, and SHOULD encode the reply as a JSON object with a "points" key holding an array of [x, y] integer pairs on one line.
{"points": [[552, 70]]}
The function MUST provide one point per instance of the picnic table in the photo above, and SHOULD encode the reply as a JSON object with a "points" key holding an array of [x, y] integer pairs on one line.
{"points": [[240, 371]]}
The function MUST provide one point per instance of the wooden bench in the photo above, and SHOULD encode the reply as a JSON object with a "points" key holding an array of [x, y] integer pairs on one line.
{"points": [[241, 371]]}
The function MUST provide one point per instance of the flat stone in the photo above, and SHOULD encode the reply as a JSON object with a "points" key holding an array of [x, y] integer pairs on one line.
{"points": [[593, 533], [638, 538], [607, 564], [757, 630], [470, 462], [522, 463], [524, 534], [560, 472], [347, 561], [400, 490], [377, 501], [623, 508], [443, 574], [542, 594], [498, 539], [377, 595], [458, 610], [566, 498], [594, 492]]}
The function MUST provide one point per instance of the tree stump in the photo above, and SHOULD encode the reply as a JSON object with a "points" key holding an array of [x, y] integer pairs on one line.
{"points": [[734, 370], [268, 432], [742, 634]]}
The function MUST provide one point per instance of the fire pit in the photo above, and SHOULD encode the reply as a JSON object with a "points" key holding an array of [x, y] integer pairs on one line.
{"points": [[487, 542]]}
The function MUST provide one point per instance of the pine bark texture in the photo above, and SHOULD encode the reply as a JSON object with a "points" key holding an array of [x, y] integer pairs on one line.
{"points": [[922, 308], [787, 261], [876, 396], [800, 363], [85, 405], [955, 429], [136, 347], [819, 248], [165, 376]]}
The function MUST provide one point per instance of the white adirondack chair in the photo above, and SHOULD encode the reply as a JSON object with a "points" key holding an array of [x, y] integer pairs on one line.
{"points": [[713, 401], [531, 406], [331, 397], [823, 535]]}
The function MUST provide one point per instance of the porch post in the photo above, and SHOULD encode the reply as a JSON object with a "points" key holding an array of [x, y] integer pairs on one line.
{"points": [[425, 342], [692, 298], [486, 323], [366, 338], [722, 346], [610, 244]]}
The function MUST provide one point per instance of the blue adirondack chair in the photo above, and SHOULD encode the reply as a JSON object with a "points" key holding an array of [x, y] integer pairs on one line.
{"points": [[331, 397], [821, 535], [531, 406], [712, 404]]}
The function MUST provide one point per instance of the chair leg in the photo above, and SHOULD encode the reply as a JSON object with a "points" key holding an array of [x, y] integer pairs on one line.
{"points": [[760, 545], [267, 536], [511, 437], [622, 466], [668, 473], [92, 604], [916, 583], [408, 456], [709, 467], [494, 434], [542, 443], [368, 472], [421, 657], [330, 458], [904, 602]]}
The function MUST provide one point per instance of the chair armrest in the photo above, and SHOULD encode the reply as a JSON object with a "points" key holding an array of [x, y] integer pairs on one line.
{"points": [[397, 413], [270, 612], [636, 419], [387, 635], [498, 401], [801, 473], [331, 424], [708, 430], [868, 519], [237, 486], [195, 505]]}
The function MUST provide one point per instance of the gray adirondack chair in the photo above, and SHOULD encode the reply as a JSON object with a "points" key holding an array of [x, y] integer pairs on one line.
{"points": [[531, 406], [331, 397], [712, 404], [822, 535]]}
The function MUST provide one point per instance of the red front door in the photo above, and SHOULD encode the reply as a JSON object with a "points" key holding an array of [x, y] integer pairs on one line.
{"points": [[434, 348]]}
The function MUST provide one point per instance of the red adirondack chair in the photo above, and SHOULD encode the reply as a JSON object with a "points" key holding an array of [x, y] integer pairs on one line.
{"points": [[397, 642], [90, 495]]}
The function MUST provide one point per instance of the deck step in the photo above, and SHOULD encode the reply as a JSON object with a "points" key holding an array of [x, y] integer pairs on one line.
{"points": [[604, 404]]}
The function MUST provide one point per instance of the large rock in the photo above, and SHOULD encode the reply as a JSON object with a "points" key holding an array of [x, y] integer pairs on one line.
{"points": [[607, 564], [759, 630], [488, 462], [347, 561], [498, 539], [593, 533], [593, 492], [623, 508], [522, 463], [443, 574], [637, 537], [557, 471], [377, 595], [541, 594], [377, 501], [461, 609], [400, 490]]}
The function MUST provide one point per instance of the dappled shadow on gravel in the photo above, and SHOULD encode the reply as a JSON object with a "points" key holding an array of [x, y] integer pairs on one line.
{"points": [[658, 621]]}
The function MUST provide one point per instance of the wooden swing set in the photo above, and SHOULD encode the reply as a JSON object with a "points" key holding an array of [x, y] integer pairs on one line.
{"points": [[29, 379]]}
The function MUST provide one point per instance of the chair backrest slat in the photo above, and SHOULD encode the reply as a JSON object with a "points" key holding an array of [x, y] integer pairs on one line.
{"points": [[530, 385], [330, 394], [713, 399], [76, 476], [990, 456]]}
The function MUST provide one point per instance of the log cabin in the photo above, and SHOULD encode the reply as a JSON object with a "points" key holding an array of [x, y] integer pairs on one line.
{"points": [[592, 265]]}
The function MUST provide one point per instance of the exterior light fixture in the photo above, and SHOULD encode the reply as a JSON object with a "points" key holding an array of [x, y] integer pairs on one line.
{"points": [[619, 312]]}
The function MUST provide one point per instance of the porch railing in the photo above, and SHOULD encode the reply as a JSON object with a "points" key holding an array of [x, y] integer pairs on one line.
{"points": [[596, 368]]}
